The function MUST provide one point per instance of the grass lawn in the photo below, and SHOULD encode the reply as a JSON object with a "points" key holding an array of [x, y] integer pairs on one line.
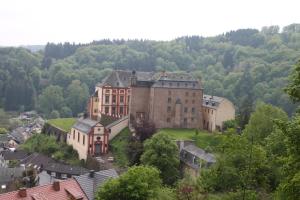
{"points": [[63, 123], [119, 145], [203, 140]]}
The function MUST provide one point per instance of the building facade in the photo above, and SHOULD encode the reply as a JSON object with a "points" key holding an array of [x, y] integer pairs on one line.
{"points": [[216, 110], [169, 100]]}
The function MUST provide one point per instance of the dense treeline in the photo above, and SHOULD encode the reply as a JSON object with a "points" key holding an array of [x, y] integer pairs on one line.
{"points": [[221, 62]]}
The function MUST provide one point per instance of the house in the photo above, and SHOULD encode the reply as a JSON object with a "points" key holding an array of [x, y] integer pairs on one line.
{"points": [[112, 96], [216, 110], [7, 157], [8, 176], [64, 171], [193, 158], [91, 137], [7, 141], [58, 190], [169, 100], [37, 161], [91, 181]]}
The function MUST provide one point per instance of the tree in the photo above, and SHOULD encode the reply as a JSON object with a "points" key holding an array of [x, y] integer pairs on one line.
{"points": [[54, 114], [138, 183], [261, 123], [51, 99], [161, 151], [76, 96], [293, 89]]}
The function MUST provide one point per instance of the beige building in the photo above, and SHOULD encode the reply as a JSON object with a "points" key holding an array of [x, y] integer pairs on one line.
{"points": [[90, 137], [169, 100], [216, 110]]}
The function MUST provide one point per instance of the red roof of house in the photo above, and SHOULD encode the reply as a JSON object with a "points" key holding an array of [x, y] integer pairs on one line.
{"points": [[69, 189]]}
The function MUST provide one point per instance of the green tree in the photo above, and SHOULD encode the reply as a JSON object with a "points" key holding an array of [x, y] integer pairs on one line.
{"points": [[161, 152], [293, 89], [76, 96], [138, 183], [261, 123], [51, 99]]}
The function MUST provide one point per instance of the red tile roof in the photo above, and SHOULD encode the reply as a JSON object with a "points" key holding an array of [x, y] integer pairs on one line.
{"points": [[69, 189]]}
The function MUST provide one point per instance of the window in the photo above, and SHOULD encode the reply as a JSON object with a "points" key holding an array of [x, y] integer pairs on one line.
{"points": [[178, 84], [114, 99], [107, 91], [194, 84], [169, 109], [186, 101], [168, 120], [83, 139], [187, 94], [185, 109], [169, 92], [212, 112], [185, 120], [78, 136], [121, 110], [193, 110], [194, 94], [121, 99], [162, 83], [128, 99], [106, 110], [169, 100], [106, 98], [113, 110], [170, 84], [53, 174], [96, 99], [186, 84], [99, 129], [193, 101], [73, 134], [64, 176], [192, 119], [95, 110]]}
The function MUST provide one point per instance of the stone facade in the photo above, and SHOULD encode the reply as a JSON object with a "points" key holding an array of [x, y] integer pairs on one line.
{"points": [[169, 100]]}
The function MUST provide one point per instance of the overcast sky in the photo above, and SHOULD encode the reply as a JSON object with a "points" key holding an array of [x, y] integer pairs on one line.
{"points": [[24, 22]]}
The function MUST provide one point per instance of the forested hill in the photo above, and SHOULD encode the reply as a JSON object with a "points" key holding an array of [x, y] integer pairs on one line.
{"points": [[244, 65]]}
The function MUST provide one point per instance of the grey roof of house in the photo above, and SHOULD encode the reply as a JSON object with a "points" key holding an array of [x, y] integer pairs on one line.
{"points": [[212, 101], [89, 185], [37, 159], [120, 78], [200, 153], [65, 169], [14, 155], [8, 174], [84, 125], [5, 138]]}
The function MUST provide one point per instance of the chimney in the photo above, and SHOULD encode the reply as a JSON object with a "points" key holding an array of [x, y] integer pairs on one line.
{"points": [[56, 185], [22, 192], [92, 173]]}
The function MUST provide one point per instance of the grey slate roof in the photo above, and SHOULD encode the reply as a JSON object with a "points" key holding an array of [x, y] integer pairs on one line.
{"points": [[37, 159], [84, 125], [8, 174], [200, 153], [14, 155], [212, 101], [90, 185], [65, 169], [120, 78]]}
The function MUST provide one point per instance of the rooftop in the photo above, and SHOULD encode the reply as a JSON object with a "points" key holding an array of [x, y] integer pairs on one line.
{"points": [[212, 101], [85, 125], [89, 183], [14, 155], [8, 174], [68, 189], [65, 169], [36, 160]]}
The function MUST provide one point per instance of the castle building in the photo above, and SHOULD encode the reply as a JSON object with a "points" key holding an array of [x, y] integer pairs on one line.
{"points": [[169, 100]]}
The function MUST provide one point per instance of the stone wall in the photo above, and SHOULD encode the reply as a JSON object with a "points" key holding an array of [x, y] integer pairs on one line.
{"points": [[58, 133]]}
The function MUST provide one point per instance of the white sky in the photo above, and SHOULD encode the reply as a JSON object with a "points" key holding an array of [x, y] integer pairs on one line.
{"points": [[24, 22]]}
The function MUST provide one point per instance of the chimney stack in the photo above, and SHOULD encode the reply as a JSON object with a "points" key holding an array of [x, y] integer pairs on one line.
{"points": [[92, 174], [56, 185], [22, 192]]}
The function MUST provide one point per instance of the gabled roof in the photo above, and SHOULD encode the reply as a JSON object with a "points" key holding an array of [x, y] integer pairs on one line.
{"points": [[69, 189], [85, 125], [212, 101], [90, 184], [14, 155], [200, 153], [8, 174], [65, 169], [37, 159]]}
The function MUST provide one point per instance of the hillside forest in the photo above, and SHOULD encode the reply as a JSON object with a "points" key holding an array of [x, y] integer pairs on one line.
{"points": [[245, 66]]}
